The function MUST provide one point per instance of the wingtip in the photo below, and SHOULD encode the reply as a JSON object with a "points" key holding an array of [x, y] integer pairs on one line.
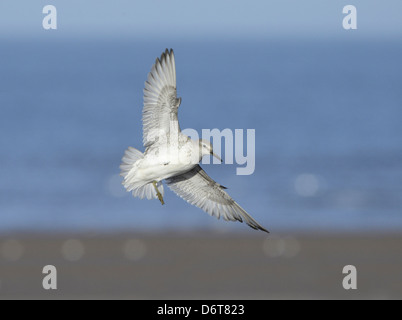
{"points": [[265, 230], [167, 52], [258, 227]]}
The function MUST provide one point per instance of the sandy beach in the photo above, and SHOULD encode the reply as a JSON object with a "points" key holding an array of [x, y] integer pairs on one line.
{"points": [[200, 266]]}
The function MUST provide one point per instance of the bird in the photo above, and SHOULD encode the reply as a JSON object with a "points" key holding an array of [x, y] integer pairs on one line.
{"points": [[173, 157]]}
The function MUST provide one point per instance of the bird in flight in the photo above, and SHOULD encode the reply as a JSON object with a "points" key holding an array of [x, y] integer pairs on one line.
{"points": [[171, 155]]}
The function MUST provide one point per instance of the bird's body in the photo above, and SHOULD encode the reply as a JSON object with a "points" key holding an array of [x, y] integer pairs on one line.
{"points": [[161, 163], [172, 156]]}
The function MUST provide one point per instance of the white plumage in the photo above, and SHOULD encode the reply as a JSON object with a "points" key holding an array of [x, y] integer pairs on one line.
{"points": [[172, 156]]}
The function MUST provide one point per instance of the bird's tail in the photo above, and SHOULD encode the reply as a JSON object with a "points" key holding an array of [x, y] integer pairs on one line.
{"points": [[139, 188]]}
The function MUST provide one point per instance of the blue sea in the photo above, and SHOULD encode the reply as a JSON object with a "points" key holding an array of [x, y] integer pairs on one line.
{"points": [[327, 116]]}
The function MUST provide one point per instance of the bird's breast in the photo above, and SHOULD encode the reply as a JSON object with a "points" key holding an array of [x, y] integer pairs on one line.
{"points": [[167, 161]]}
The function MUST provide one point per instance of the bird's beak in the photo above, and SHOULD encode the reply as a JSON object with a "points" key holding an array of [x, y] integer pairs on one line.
{"points": [[216, 156]]}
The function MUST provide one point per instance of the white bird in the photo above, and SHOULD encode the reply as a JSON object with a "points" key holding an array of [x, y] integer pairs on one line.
{"points": [[172, 156]]}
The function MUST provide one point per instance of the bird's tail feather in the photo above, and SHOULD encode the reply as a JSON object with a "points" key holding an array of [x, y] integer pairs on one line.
{"points": [[139, 188], [131, 156]]}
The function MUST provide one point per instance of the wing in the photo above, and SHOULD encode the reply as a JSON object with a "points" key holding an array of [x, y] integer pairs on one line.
{"points": [[159, 115], [198, 189]]}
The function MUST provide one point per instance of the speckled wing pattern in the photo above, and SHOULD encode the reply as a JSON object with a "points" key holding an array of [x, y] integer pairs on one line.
{"points": [[198, 189], [159, 114]]}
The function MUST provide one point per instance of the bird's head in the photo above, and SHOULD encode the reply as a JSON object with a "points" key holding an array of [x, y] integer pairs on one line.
{"points": [[207, 149]]}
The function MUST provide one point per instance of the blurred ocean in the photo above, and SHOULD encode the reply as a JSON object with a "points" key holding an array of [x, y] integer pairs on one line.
{"points": [[327, 114]]}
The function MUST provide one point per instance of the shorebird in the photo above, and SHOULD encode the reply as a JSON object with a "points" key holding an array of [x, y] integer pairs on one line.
{"points": [[172, 156]]}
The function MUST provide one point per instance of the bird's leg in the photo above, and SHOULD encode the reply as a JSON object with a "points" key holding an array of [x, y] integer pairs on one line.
{"points": [[160, 197]]}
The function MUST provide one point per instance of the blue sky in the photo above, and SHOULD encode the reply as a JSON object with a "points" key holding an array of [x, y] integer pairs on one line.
{"points": [[189, 19]]}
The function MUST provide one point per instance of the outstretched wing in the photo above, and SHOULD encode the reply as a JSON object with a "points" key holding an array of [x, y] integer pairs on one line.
{"points": [[197, 188], [159, 115]]}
